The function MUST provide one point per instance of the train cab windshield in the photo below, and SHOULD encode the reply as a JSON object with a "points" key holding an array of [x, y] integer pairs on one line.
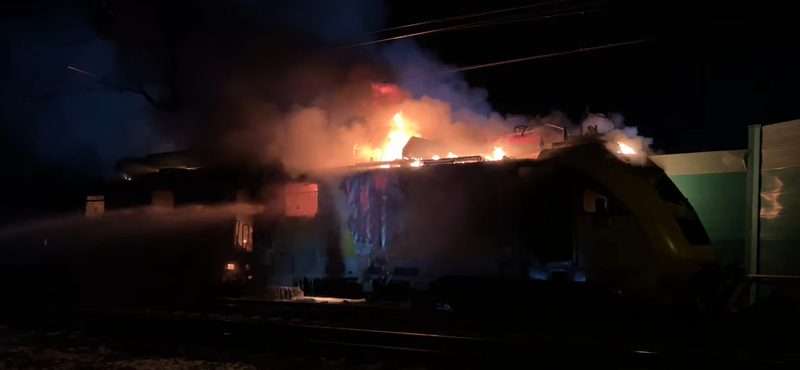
{"points": [[682, 210]]}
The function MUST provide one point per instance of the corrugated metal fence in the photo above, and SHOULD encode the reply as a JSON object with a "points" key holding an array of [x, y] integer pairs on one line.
{"points": [[748, 200]]}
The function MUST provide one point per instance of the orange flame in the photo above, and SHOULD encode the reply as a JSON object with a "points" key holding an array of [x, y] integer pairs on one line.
{"points": [[624, 149], [401, 131], [497, 155], [398, 138]]}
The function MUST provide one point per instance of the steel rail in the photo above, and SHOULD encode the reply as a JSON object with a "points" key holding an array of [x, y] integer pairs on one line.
{"points": [[284, 333]]}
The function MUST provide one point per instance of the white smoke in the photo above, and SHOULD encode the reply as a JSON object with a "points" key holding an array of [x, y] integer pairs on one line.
{"points": [[630, 138]]}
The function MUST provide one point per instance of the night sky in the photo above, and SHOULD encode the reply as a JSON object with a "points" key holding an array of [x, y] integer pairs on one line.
{"points": [[696, 86]]}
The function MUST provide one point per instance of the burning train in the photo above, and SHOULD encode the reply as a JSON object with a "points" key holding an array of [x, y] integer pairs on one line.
{"points": [[566, 209], [575, 213], [415, 217]]}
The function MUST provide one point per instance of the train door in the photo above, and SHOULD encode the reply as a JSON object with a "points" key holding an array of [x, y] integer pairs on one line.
{"points": [[548, 230], [557, 228]]}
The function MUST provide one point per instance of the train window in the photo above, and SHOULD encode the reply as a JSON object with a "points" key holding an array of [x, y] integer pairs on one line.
{"points": [[249, 247], [236, 232], [243, 233], [668, 191], [246, 242], [591, 200], [687, 218], [301, 200], [95, 205]]}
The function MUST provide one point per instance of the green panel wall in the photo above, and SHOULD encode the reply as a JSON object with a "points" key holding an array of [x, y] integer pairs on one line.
{"points": [[719, 199]]}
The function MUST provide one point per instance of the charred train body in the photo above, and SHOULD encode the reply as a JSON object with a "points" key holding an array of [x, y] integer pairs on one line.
{"points": [[577, 213]]}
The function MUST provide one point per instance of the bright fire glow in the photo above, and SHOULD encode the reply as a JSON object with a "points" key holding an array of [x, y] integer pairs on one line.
{"points": [[400, 132], [626, 149], [497, 155], [398, 138]]}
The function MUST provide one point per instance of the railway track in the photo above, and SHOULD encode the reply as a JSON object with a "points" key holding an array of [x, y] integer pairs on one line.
{"points": [[274, 330]]}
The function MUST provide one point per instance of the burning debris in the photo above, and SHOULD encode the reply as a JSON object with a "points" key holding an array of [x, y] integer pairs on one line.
{"points": [[497, 154], [407, 140], [396, 145], [628, 145], [397, 138]]}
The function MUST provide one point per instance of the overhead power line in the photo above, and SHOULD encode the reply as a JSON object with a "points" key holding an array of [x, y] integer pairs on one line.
{"points": [[489, 22], [458, 17], [79, 70], [535, 57], [537, 16]]}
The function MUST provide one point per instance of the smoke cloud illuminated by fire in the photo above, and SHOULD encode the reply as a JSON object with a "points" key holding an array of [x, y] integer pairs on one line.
{"points": [[310, 138], [276, 90]]}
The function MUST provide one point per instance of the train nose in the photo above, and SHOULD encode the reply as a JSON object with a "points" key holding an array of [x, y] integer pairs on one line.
{"points": [[718, 287]]}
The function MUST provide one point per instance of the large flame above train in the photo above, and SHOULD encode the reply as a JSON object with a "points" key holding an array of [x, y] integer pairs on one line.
{"points": [[401, 130], [399, 119], [402, 127]]}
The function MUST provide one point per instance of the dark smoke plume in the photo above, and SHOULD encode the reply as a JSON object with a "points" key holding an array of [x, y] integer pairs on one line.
{"points": [[225, 76], [264, 82]]}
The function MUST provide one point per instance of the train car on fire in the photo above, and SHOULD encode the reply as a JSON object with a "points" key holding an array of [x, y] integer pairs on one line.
{"points": [[438, 229], [580, 213]]}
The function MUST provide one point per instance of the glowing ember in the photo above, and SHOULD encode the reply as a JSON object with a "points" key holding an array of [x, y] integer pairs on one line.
{"points": [[417, 163], [436, 157], [626, 149], [451, 155], [497, 155]]}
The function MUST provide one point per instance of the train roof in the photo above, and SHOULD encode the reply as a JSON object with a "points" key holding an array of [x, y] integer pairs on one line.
{"points": [[594, 151], [583, 150]]}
